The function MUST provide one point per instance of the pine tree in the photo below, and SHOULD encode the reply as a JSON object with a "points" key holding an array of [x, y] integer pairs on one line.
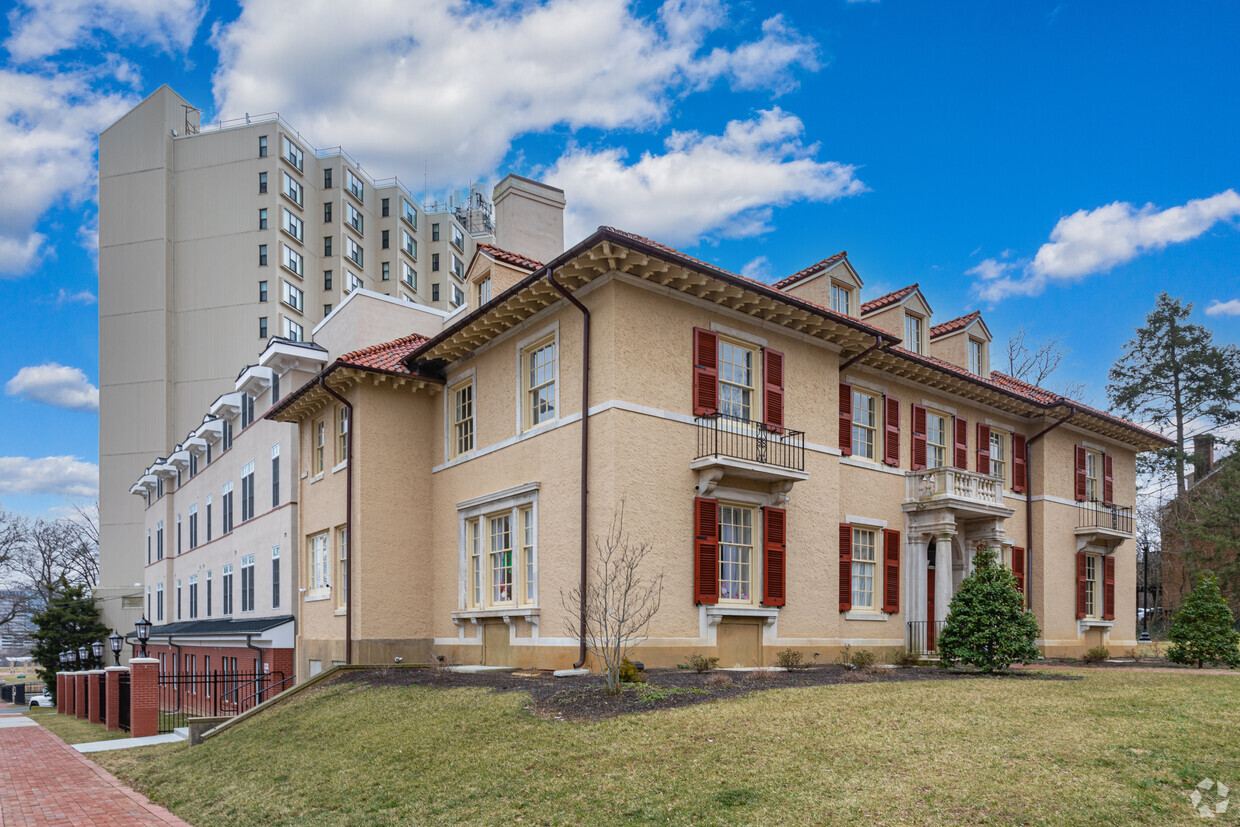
{"points": [[987, 624], [70, 621], [1172, 374], [1203, 631]]}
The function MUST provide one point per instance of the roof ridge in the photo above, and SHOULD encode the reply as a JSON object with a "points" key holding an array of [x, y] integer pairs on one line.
{"points": [[787, 281], [890, 298], [954, 324], [511, 257]]}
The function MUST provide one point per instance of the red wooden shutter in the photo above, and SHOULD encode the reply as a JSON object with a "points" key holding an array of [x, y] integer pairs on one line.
{"points": [[705, 550], [773, 388], [1019, 469], [1108, 587], [983, 448], [845, 567], [1080, 473], [1018, 568], [774, 556], [845, 419], [1108, 481], [962, 442], [705, 371], [919, 438], [1081, 584], [891, 570], [891, 442]]}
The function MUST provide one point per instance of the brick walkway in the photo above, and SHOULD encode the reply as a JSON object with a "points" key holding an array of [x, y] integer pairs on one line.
{"points": [[45, 781]]}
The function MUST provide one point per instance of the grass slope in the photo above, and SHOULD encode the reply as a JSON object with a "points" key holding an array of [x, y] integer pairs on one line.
{"points": [[1116, 747], [73, 730]]}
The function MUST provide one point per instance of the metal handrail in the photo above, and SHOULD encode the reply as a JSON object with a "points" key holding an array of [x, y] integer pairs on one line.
{"points": [[720, 434]]}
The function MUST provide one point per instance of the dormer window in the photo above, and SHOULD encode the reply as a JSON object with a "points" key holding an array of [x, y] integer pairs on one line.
{"points": [[913, 329], [840, 299], [976, 363]]}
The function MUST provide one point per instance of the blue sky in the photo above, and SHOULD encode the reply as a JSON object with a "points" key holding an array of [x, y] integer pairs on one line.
{"points": [[1053, 164]]}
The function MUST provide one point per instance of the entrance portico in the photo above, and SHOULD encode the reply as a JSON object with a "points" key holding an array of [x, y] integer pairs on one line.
{"points": [[949, 512]]}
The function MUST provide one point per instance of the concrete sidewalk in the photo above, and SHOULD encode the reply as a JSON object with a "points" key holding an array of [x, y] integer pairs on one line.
{"points": [[45, 781]]}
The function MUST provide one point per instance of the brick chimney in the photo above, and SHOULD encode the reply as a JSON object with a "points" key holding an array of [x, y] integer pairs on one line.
{"points": [[1203, 456]]}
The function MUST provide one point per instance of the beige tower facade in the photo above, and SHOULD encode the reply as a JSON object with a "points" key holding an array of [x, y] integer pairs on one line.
{"points": [[215, 238]]}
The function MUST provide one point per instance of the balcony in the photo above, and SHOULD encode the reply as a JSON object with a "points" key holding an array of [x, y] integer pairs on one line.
{"points": [[749, 449], [1100, 524], [966, 492]]}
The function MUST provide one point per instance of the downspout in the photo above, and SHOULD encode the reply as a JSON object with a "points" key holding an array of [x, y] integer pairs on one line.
{"points": [[348, 526], [585, 449], [878, 341], [1029, 499], [249, 644]]}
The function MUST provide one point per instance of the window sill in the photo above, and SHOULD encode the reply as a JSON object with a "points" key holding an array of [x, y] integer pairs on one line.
{"points": [[314, 598], [861, 614], [317, 477], [530, 613], [718, 611], [341, 466], [1092, 622], [339, 611]]}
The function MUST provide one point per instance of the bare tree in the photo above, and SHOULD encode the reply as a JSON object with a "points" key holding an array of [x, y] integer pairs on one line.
{"points": [[13, 529], [81, 558], [53, 549], [620, 600], [1037, 362]]}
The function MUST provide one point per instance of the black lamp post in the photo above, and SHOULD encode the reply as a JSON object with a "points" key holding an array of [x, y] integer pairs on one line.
{"points": [[117, 641], [96, 649], [83, 657], [143, 630], [1145, 591], [73, 655], [64, 660]]}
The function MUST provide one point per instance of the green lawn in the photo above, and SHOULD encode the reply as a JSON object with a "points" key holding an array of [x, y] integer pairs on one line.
{"points": [[73, 730], [1118, 747]]}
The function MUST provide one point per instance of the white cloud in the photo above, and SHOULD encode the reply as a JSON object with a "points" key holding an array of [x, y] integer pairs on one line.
{"points": [[1227, 308], [703, 185], [64, 297], [40, 28], [1094, 241], [65, 476], [454, 83], [54, 384], [758, 269], [48, 128]]}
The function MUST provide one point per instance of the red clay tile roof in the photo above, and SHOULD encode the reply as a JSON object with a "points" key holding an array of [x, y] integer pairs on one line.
{"points": [[385, 357], [1022, 388], [954, 325], [887, 300], [810, 270], [508, 257]]}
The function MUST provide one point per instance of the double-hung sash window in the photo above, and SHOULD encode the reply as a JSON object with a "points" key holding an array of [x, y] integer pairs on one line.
{"points": [[736, 380], [159, 601], [208, 516], [458, 238], [484, 291], [193, 596], [539, 362], [342, 566], [293, 153], [1091, 586], [159, 540], [294, 297], [500, 556], [1093, 487], [247, 583], [293, 260], [318, 584], [247, 491], [912, 332], [864, 562], [864, 425], [936, 440], [193, 526], [408, 243], [227, 509], [410, 276], [208, 592], [320, 435], [353, 250], [463, 419], [293, 331], [736, 546], [275, 475], [975, 357], [998, 454], [342, 434], [839, 299], [227, 580], [275, 577]]}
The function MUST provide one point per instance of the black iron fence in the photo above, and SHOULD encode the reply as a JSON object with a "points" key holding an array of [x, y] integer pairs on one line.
{"points": [[101, 686], [719, 435], [1112, 517], [122, 699], [21, 693], [216, 694], [923, 636]]}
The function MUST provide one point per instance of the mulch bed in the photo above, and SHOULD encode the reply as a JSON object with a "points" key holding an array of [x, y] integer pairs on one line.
{"points": [[582, 698]]}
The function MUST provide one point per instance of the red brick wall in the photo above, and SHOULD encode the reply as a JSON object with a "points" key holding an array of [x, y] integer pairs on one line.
{"points": [[60, 692], [114, 699], [209, 694], [79, 695], [92, 697], [143, 698]]}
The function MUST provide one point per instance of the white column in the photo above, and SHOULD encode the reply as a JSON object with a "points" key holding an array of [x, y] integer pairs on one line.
{"points": [[942, 576], [915, 562]]}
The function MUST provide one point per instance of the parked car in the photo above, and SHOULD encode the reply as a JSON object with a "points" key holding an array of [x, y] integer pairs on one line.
{"points": [[42, 700]]}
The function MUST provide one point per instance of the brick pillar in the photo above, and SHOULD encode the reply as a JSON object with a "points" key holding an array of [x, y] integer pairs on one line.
{"points": [[143, 697], [79, 695], [70, 685], [113, 712], [60, 693], [93, 713]]}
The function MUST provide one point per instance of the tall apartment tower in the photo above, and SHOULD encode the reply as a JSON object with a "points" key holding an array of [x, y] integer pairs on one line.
{"points": [[214, 238]]}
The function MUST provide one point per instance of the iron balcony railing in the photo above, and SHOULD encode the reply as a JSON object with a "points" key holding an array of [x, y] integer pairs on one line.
{"points": [[1109, 517], [720, 435], [923, 639]]}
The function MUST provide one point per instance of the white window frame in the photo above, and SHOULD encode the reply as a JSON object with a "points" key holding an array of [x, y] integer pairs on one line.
{"points": [[478, 511], [293, 154], [318, 565], [755, 553], [976, 366], [294, 190], [293, 261], [875, 428], [452, 407], [293, 331], [293, 296], [841, 295], [875, 572], [949, 441], [914, 332], [551, 332], [1003, 440], [294, 226]]}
